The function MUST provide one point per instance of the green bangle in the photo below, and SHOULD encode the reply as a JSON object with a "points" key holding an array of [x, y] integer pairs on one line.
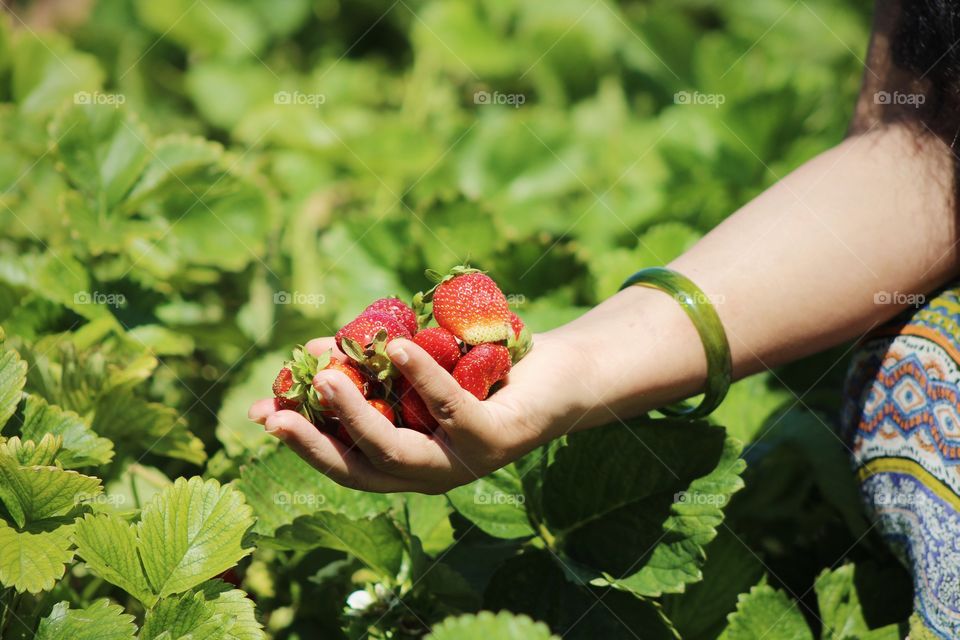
{"points": [[698, 307]]}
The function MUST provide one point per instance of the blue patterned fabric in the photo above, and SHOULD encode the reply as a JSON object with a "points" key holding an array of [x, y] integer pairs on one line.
{"points": [[902, 419]]}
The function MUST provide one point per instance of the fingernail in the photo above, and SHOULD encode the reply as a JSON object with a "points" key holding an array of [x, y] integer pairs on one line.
{"points": [[323, 388], [271, 427], [397, 354]]}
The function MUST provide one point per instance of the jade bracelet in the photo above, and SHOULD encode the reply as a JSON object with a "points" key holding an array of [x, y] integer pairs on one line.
{"points": [[699, 309]]}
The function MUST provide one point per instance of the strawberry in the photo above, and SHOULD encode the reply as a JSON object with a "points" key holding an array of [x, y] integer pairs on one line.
{"points": [[481, 368], [364, 339], [469, 304], [281, 386], [383, 407], [520, 340], [396, 308], [413, 410], [344, 436], [441, 344], [356, 376]]}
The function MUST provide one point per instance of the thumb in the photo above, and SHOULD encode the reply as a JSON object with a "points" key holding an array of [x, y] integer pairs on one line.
{"points": [[446, 401]]}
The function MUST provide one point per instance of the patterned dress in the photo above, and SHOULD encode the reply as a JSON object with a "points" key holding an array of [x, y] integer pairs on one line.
{"points": [[902, 416]]}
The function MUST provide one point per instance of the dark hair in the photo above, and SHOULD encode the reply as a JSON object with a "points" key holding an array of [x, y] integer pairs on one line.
{"points": [[926, 43]]}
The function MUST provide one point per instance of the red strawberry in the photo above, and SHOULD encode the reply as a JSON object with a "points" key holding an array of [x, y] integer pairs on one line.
{"points": [[520, 340], [365, 339], [396, 308], [364, 328], [441, 344], [281, 385], [413, 410], [481, 368], [383, 407], [344, 436], [516, 324], [469, 304], [356, 376]]}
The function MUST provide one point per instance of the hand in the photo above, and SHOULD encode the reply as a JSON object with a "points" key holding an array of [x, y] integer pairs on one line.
{"points": [[473, 439]]}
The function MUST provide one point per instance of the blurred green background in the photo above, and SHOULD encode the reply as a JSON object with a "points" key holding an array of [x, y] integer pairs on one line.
{"points": [[212, 182]]}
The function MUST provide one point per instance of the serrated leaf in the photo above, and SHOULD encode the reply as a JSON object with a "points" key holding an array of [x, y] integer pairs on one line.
{"points": [[840, 610], [184, 617], [13, 375], [40, 452], [280, 486], [102, 150], [236, 608], [108, 545], [765, 612], [135, 424], [33, 560], [495, 503], [374, 541], [81, 446], [486, 625], [428, 518], [644, 486], [102, 620], [191, 532], [537, 584], [35, 493]]}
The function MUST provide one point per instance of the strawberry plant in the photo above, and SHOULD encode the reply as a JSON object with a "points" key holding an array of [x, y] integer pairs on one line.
{"points": [[190, 190]]}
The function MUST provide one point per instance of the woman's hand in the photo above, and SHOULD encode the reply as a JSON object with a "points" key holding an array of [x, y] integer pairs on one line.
{"points": [[473, 438]]}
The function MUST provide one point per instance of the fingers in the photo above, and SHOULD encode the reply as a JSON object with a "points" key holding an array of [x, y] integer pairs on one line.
{"points": [[403, 451], [447, 402], [261, 410], [319, 345], [331, 457]]}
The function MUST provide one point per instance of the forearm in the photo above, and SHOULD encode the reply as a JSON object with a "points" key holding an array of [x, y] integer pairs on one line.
{"points": [[799, 269]]}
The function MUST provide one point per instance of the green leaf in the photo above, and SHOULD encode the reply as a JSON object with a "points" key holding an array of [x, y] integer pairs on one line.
{"points": [[138, 426], [535, 583], [42, 452], [183, 617], [34, 559], [81, 446], [495, 503], [765, 612], [428, 518], [101, 149], [35, 493], [731, 569], [13, 375], [280, 486], [237, 434], [375, 541], [102, 620], [645, 486], [46, 72], [190, 532], [108, 545], [486, 625], [840, 609]]}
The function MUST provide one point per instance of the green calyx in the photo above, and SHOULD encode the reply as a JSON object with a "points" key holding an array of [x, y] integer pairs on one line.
{"points": [[373, 357], [518, 346], [303, 367]]}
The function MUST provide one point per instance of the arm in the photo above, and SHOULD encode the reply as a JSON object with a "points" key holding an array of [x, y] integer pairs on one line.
{"points": [[793, 272]]}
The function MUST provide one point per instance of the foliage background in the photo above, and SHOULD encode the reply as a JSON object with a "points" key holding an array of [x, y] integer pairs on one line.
{"points": [[173, 231]]}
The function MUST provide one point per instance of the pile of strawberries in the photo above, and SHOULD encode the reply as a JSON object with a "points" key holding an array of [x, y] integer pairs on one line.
{"points": [[476, 338]]}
